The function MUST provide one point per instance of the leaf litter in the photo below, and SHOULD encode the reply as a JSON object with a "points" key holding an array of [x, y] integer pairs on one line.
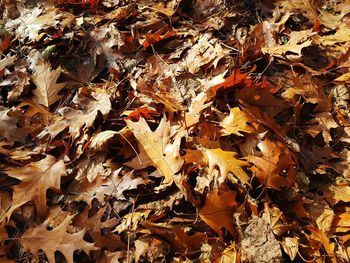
{"points": [[174, 131]]}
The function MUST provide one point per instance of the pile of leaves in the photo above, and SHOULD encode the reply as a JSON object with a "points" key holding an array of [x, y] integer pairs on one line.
{"points": [[174, 131]]}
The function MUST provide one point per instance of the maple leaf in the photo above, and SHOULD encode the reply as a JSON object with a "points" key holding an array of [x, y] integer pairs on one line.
{"points": [[156, 149], [276, 168], [236, 123], [217, 211], [36, 178], [227, 163], [50, 241], [45, 80]]}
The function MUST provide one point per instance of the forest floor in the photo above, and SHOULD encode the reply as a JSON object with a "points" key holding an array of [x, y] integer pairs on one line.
{"points": [[174, 131]]}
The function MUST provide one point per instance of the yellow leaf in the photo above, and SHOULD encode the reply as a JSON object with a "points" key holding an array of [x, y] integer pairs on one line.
{"points": [[227, 163], [218, 211], [343, 78], [236, 123], [132, 220], [156, 149], [290, 246]]}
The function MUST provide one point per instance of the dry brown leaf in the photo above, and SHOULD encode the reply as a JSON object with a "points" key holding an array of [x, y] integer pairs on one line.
{"points": [[94, 226], [290, 246], [319, 236], [297, 41], [36, 178], [45, 79], [82, 118], [50, 241], [32, 21], [217, 211], [132, 220], [206, 50], [156, 149], [337, 192], [8, 127], [343, 78], [229, 255], [323, 123], [111, 186]]}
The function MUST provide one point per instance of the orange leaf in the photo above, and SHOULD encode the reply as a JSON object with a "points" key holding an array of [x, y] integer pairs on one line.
{"points": [[142, 112], [276, 168], [218, 211], [236, 78], [152, 39]]}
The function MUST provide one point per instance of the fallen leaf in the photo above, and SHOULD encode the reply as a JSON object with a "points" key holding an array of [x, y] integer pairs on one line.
{"points": [[50, 241], [228, 165], [322, 123], [36, 178], [236, 123], [276, 168], [156, 149], [217, 211], [81, 118], [46, 92]]}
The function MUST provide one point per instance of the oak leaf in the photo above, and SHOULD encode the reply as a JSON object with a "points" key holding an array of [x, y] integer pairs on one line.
{"points": [[236, 123], [297, 41], [36, 178], [228, 165], [323, 123], [32, 21], [45, 80], [111, 186], [156, 149], [206, 50], [94, 226], [217, 211], [132, 220], [39, 238], [82, 118], [276, 167]]}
